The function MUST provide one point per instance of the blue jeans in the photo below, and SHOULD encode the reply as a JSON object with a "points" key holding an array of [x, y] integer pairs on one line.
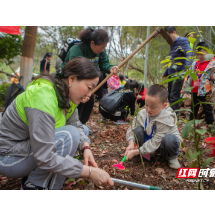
{"points": [[18, 167]]}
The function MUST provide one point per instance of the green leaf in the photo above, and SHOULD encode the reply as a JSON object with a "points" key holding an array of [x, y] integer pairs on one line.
{"points": [[194, 76], [194, 164], [200, 53], [205, 103], [207, 161], [184, 110], [189, 89], [187, 128], [174, 67], [188, 155], [70, 179], [189, 51], [181, 58], [188, 72], [168, 80], [182, 145], [167, 65], [201, 131], [180, 100], [179, 63], [195, 154], [207, 150], [165, 61]]}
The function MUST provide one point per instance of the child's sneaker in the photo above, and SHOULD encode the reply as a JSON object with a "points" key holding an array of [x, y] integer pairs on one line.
{"points": [[120, 122], [174, 163]]}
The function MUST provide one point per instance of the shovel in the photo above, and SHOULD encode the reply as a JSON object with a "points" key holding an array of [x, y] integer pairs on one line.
{"points": [[134, 185], [154, 34]]}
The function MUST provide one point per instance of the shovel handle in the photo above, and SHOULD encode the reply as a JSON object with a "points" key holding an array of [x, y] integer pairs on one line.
{"points": [[154, 34], [134, 185], [124, 158]]}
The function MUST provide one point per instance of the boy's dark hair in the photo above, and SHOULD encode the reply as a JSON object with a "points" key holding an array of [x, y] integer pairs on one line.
{"points": [[121, 77], [157, 90], [169, 29], [126, 77], [203, 44], [141, 87]]}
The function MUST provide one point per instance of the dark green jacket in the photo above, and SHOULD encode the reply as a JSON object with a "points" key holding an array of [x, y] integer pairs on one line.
{"points": [[102, 62]]}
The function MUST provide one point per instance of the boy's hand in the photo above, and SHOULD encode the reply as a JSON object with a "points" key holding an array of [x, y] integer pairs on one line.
{"points": [[139, 97], [131, 154], [130, 146]]}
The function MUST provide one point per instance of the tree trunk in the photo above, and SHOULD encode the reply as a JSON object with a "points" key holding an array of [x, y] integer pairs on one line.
{"points": [[26, 65]]}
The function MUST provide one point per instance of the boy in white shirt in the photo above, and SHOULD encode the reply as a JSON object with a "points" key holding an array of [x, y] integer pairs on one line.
{"points": [[155, 128]]}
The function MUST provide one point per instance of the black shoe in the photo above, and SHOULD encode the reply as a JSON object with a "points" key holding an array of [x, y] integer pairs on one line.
{"points": [[30, 186]]}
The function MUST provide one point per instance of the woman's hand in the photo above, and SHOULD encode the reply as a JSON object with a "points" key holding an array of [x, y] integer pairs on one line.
{"points": [[115, 70], [89, 159], [85, 100], [100, 177]]}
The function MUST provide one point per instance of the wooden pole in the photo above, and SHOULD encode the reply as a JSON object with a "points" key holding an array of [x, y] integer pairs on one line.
{"points": [[154, 34], [26, 65]]}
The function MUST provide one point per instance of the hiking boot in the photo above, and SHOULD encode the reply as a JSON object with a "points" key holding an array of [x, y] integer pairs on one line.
{"points": [[174, 163], [30, 186]]}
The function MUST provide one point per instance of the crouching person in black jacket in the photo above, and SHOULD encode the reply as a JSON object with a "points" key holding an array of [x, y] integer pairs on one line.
{"points": [[122, 106]]}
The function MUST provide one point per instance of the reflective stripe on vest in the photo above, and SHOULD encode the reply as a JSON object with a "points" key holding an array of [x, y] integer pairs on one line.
{"points": [[40, 94]]}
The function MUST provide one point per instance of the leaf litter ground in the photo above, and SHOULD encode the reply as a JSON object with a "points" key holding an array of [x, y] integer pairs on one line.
{"points": [[108, 143]]}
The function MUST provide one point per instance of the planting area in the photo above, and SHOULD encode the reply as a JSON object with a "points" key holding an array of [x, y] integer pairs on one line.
{"points": [[108, 144]]}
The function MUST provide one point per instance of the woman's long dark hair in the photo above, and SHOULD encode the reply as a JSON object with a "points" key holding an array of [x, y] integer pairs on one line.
{"points": [[130, 85], [47, 54], [99, 36], [80, 67]]}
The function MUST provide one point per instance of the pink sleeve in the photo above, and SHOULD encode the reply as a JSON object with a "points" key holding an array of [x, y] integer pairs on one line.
{"points": [[113, 83]]}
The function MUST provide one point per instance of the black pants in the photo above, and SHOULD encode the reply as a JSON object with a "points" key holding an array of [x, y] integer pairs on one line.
{"points": [[85, 109], [169, 148], [207, 109], [141, 103], [100, 93], [111, 117], [174, 92]]}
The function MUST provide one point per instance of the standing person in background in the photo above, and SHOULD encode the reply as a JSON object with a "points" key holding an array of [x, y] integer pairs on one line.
{"points": [[191, 38], [45, 63], [122, 80], [93, 43], [179, 49], [199, 66], [58, 63], [141, 95]]}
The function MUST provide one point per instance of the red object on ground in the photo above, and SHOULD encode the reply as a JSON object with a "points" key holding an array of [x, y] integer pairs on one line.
{"points": [[119, 166], [210, 143], [10, 29]]}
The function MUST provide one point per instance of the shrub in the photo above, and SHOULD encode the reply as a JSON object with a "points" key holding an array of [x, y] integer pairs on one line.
{"points": [[3, 91]]}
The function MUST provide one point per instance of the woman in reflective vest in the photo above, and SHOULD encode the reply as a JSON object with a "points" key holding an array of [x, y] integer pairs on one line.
{"points": [[40, 131]]}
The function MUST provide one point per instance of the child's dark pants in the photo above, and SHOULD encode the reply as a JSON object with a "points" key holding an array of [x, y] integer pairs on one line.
{"points": [[169, 148]]}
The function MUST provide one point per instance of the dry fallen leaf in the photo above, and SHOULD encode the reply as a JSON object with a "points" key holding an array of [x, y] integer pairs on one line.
{"points": [[160, 171]]}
